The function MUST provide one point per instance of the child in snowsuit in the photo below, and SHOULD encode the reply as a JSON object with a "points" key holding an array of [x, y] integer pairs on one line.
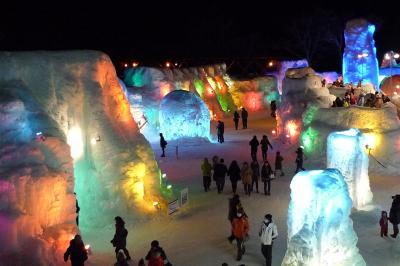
{"points": [[384, 223]]}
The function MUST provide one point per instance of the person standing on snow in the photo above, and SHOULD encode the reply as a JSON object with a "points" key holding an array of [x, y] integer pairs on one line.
{"points": [[220, 171], [163, 144], [255, 169], [266, 173], [246, 175], [206, 171], [383, 223], [234, 175], [273, 108], [236, 117], [245, 115], [394, 215], [268, 233], [240, 229], [299, 159], [264, 146], [278, 164], [76, 252], [253, 148], [119, 240], [219, 131]]}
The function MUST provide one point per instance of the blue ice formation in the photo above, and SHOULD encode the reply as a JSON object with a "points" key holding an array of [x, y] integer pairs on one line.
{"points": [[184, 114], [359, 57], [347, 152], [320, 231]]}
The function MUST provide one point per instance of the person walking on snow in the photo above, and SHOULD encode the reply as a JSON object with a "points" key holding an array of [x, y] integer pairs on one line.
{"points": [[220, 132], [268, 233], [266, 173], [383, 223], [253, 148], [163, 144], [220, 172], [245, 115], [264, 146], [234, 205], [76, 252], [299, 159], [206, 171], [234, 175], [273, 108], [236, 117], [246, 175], [119, 240], [278, 164], [255, 169], [156, 255], [240, 229]]}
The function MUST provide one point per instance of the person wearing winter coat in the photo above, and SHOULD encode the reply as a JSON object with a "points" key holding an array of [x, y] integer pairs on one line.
{"points": [[273, 108], [266, 172], [234, 205], [268, 233], [383, 223], [121, 260], [236, 117], [119, 240], [156, 255], [220, 172], [278, 164], [76, 252], [206, 171], [394, 215], [234, 175], [299, 160], [255, 169], [246, 175], [163, 144], [240, 229], [264, 147], [220, 131], [245, 115], [215, 160], [253, 147]]}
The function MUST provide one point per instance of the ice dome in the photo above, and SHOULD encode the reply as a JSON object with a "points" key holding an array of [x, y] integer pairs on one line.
{"points": [[184, 114]]}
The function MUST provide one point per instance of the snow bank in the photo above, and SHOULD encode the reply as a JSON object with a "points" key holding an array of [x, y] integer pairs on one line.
{"points": [[320, 231], [75, 100]]}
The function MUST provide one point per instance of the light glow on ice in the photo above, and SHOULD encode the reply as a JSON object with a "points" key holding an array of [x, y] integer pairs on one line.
{"points": [[75, 141]]}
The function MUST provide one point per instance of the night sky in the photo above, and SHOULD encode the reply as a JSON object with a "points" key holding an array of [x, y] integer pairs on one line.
{"points": [[154, 32]]}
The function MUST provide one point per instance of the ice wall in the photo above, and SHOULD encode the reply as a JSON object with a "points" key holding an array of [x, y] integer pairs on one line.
{"points": [[320, 231], [347, 152], [184, 114], [115, 172], [284, 66], [359, 57]]}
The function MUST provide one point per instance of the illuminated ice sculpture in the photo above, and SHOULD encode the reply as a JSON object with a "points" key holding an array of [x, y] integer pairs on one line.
{"points": [[346, 151], [184, 114], [320, 231], [359, 57]]}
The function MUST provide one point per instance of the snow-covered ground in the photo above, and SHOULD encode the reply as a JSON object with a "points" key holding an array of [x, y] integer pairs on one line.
{"points": [[197, 234]]}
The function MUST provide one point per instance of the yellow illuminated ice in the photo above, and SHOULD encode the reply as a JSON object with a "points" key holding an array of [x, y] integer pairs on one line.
{"points": [[75, 141]]}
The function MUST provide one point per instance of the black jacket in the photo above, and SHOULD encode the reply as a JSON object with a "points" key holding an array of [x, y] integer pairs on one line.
{"points": [[120, 235], [254, 143], [234, 173], [76, 252], [220, 170]]}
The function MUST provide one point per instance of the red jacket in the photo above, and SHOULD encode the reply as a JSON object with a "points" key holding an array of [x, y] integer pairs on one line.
{"points": [[156, 261], [240, 227]]}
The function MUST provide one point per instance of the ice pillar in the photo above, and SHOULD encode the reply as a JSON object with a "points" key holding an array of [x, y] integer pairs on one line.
{"points": [[359, 57], [320, 231], [346, 151]]}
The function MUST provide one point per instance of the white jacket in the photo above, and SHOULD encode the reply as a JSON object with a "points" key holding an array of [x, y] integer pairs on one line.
{"points": [[268, 233]]}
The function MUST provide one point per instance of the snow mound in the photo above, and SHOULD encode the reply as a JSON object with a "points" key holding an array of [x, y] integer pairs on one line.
{"points": [[184, 114], [320, 231]]}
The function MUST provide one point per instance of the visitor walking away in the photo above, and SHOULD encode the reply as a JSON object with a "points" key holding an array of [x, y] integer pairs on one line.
{"points": [[273, 108], [383, 222], [299, 159], [219, 131], [245, 115], [268, 233], [76, 252], [121, 260], [264, 147], [234, 205], [246, 175], [206, 171], [234, 175], [236, 117], [266, 177], [240, 229], [119, 240], [163, 144], [220, 172], [253, 148], [394, 215], [255, 169], [77, 210], [278, 164], [156, 255]]}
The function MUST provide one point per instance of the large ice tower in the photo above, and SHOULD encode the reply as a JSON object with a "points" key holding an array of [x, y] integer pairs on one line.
{"points": [[359, 57], [184, 114], [347, 152], [320, 231]]}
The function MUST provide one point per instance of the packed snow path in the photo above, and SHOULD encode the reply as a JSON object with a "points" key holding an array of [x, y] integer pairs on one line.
{"points": [[197, 235]]}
